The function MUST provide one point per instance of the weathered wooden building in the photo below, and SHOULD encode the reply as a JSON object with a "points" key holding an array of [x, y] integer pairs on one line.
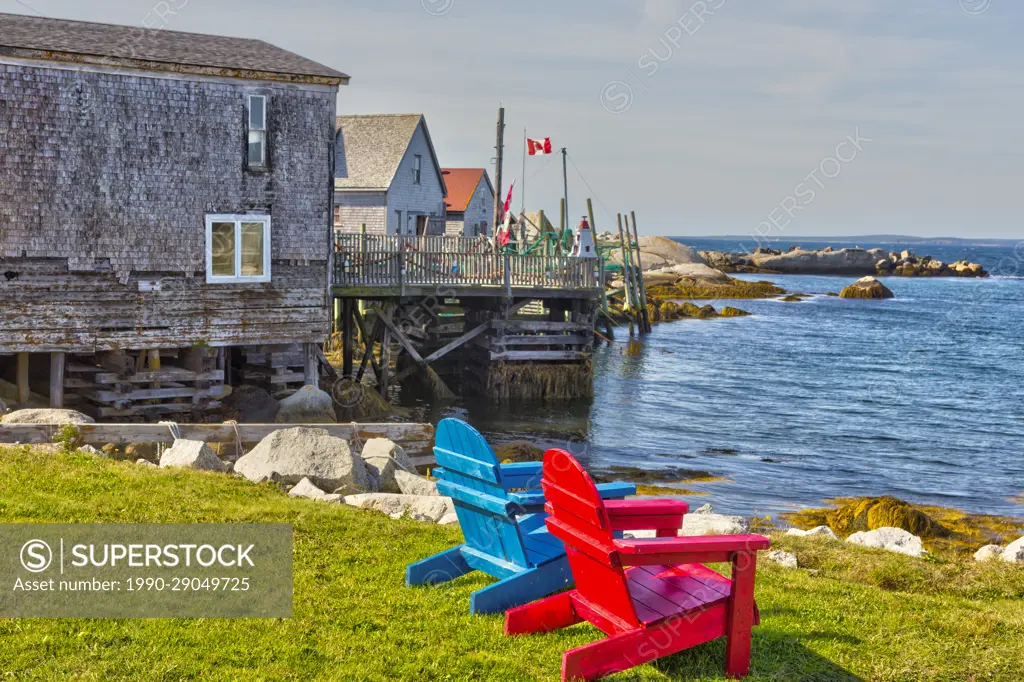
{"points": [[165, 213], [387, 176], [470, 204]]}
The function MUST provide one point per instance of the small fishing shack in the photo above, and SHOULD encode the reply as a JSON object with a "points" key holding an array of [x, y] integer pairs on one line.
{"points": [[165, 216]]}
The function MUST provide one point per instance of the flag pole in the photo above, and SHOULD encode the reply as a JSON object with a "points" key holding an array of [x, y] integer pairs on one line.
{"points": [[523, 188], [565, 185]]}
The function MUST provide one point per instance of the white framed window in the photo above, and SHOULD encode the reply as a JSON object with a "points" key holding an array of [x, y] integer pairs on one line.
{"points": [[337, 216], [237, 248], [257, 131], [417, 169]]}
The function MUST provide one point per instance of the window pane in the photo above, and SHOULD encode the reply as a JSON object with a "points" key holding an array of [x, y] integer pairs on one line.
{"points": [[257, 113], [256, 148], [252, 249], [223, 249]]}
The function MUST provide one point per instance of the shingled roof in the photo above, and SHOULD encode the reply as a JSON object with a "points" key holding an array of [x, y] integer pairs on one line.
{"points": [[156, 49], [372, 146]]}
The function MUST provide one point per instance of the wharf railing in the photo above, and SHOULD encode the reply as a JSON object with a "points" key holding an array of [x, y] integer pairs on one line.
{"points": [[460, 262]]}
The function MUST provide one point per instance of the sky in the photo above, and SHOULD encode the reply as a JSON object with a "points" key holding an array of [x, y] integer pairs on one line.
{"points": [[782, 118]]}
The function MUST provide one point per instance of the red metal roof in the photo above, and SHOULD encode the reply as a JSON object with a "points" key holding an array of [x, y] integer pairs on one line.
{"points": [[461, 183]]}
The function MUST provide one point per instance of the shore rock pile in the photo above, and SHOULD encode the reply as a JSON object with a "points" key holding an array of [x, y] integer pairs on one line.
{"points": [[314, 465], [907, 264], [829, 261], [1013, 553]]}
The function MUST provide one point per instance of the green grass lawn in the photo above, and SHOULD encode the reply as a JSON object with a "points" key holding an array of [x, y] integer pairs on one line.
{"points": [[856, 614]]}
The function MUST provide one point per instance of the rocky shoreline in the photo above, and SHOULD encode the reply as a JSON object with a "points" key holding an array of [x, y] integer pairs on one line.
{"points": [[848, 261]]}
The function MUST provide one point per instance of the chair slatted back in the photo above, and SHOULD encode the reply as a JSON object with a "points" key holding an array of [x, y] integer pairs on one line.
{"points": [[472, 478], [577, 516]]}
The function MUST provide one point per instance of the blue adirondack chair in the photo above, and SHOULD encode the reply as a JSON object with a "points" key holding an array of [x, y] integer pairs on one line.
{"points": [[501, 511]]}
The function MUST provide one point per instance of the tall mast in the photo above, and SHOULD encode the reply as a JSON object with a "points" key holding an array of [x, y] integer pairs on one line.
{"points": [[500, 148], [522, 190], [565, 186]]}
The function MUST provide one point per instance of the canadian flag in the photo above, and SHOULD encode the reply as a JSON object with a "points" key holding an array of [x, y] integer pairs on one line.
{"points": [[539, 147]]}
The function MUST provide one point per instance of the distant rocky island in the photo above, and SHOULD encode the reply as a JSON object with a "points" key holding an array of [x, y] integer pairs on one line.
{"points": [[847, 261]]}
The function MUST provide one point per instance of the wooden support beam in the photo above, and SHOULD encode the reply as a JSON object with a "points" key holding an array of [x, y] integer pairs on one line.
{"points": [[311, 364], [444, 350], [437, 384], [369, 341], [57, 359], [540, 355], [348, 340], [325, 363], [22, 379]]}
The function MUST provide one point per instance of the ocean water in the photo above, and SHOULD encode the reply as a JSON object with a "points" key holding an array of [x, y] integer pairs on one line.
{"points": [[920, 396]]}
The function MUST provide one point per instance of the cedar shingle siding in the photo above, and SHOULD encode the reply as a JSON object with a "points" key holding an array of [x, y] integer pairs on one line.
{"points": [[105, 181]]}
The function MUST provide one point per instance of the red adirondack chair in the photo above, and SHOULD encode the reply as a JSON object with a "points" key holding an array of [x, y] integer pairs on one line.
{"points": [[651, 597]]}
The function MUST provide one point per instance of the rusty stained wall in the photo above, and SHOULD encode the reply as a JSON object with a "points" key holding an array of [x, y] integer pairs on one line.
{"points": [[106, 179]]}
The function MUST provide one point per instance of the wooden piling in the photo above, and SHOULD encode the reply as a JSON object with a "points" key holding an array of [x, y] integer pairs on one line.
{"points": [[600, 263], [642, 287], [348, 337], [22, 379], [627, 274], [57, 380]]}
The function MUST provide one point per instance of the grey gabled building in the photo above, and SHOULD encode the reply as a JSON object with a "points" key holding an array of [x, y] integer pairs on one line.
{"points": [[165, 198], [387, 176]]}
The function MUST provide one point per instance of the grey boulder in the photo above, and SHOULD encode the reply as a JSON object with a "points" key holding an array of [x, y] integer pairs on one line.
{"points": [[307, 490], [383, 457], [289, 455], [890, 539], [41, 416], [782, 558], [191, 454], [1013, 553], [308, 405], [434, 508], [988, 553], [704, 521], [819, 531], [411, 484]]}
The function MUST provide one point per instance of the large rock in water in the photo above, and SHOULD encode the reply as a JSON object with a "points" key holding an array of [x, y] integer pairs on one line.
{"points": [[871, 513], [191, 454], [41, 416], [308, 405], [890, 539], [290, 455], [697, 271], [866, 287], [383, 458], [801, 262], [659, 252]]}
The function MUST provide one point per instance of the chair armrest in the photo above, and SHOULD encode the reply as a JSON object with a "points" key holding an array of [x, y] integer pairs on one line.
{"points": [[689, 549], [660, 515], [615, 490], [520, 475], [535, 498]]}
